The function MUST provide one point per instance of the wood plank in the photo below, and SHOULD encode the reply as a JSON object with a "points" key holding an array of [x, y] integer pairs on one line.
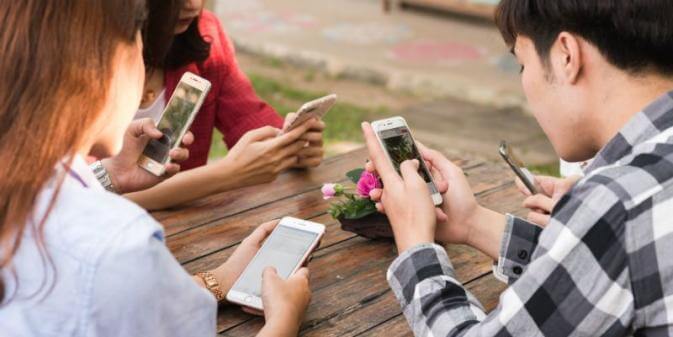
{"points": [[487, 289]]}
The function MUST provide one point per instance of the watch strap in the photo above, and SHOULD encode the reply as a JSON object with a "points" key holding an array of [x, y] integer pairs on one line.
{"points": [[211, 284], [103, 176]]}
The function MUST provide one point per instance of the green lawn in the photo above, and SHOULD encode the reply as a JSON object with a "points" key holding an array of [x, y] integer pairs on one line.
{"points": [[343, 121]]}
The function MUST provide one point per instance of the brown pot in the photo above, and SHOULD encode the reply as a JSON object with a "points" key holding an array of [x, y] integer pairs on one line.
{"points": [[375, 226]]}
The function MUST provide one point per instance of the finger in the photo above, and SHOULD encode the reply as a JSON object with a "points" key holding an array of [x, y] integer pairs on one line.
{"points": [[539, 201], [179, 154], [263, 231], [380, 208], [409, 170], [287, 163], [318, 125], [369, 166], [308, 162], [375, 194], [147, 127], [269, 275], [311, 151], [188, 139], [541, 220], [261, 134], [379, 159], [171, 170], [302, 273], [441, 216], [312, 137], [252, 311], [521, 187], [292, 136]]}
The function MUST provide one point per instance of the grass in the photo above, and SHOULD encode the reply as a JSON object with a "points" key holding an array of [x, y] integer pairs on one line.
{"points": [[553, 169], [343, 121]]}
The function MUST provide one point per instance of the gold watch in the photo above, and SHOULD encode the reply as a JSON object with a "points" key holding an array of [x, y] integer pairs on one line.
{"points": [[211, 284]]}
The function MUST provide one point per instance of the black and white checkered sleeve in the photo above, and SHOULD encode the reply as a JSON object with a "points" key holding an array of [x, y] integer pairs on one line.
{"points": [[519, 241], [577, 283]]}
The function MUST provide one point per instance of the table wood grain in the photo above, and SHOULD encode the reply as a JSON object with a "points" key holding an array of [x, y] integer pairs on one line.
{"points": [[350, 294]]}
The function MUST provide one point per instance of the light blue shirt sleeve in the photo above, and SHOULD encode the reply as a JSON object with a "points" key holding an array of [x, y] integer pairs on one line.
{"points": [[139, 289]]}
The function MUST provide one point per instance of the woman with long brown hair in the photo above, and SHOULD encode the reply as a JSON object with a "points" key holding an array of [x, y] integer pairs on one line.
{"points": [[76, 260]]}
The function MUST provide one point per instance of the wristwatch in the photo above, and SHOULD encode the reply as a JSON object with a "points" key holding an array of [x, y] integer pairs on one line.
{"points": [[211, 284], [102, 175]]}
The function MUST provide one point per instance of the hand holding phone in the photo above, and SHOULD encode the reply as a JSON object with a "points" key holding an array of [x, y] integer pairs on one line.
{"points": [[177, 117], [286, 249]]}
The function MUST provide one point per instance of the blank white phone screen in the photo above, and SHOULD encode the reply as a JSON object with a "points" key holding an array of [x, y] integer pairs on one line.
{"points": [[283, 250]]}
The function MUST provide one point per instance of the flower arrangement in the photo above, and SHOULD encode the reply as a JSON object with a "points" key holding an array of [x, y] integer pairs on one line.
{"points": [[356, 203]]}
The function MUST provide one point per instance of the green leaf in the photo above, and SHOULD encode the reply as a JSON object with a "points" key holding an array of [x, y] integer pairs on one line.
{"points": [[359, 208], [354, 175]]}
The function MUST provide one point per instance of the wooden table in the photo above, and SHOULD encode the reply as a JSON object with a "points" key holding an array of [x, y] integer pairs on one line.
{"points": [[350, 294]]}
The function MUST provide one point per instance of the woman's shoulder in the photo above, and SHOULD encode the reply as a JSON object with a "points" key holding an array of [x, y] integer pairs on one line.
{"points": [[222, 52], [84, 222]]}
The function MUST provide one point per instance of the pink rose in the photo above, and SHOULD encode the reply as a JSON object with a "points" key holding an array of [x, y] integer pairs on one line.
{"points": [[368, 182], [330, 191]]}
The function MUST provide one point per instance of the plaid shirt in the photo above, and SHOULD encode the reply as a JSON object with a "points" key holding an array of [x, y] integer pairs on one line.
{"points": [[602, 267]]}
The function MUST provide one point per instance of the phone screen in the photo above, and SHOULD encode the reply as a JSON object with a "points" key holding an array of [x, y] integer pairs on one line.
{"points": [[283, 250], [401, 147], [173, 122]]}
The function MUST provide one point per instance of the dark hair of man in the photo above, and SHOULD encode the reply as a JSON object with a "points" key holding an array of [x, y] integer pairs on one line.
{"points": [[633, 35], [162, 48]]}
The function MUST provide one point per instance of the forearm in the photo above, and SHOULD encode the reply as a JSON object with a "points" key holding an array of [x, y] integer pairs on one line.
{"points": [[486, 231], [186, 187]]}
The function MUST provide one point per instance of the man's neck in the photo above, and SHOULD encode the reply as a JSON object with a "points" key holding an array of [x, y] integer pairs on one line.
{"points": [[622, 100]]}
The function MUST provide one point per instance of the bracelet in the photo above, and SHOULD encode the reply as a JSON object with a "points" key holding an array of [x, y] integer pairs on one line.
{"points": [[211, 284], [102, 176]]}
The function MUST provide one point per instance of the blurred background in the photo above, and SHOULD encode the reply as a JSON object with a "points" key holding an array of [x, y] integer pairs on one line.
{"points": [[441, 64]]}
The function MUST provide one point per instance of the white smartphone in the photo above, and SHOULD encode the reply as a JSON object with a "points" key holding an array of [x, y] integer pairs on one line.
{"points": [[286, 249], [176, 119], [395, 137], [313, 109]]}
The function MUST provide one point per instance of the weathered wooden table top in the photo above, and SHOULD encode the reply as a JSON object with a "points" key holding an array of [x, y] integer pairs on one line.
{"points": [[350, 293]]}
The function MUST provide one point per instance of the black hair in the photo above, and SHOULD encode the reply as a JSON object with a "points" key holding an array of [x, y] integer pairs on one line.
{"points": [[633, 35], [162, 48]]}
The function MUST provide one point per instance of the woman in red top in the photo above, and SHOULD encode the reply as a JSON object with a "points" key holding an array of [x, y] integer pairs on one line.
{"points": [[180, 37]]}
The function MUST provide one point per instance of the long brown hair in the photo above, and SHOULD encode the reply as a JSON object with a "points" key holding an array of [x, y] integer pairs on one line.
{"points": [[56, 65]]}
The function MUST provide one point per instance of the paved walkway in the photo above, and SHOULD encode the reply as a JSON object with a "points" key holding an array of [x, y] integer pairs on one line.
{"points": [[430, 55]]}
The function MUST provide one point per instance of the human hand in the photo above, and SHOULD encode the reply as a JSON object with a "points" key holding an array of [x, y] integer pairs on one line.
{"points": [[285, 301], [406, 199], [312, 154], [262, 154], [541, 205], [123, 168], [227, 273]]}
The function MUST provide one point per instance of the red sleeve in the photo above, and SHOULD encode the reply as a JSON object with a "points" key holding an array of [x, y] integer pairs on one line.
{"points": [[238, 108]]}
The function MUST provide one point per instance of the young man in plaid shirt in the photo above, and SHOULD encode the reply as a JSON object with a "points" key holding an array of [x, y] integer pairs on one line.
{"points": [[598, 75]]}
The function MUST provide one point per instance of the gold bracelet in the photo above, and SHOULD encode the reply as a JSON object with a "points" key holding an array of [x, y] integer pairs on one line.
{"points": [[211, 284]]}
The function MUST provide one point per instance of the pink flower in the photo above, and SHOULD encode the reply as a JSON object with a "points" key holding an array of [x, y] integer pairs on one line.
{"points": [[368, 182], [330, 191]]}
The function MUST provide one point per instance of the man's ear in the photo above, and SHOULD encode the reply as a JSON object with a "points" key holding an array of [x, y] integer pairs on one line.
{"points": [[567, 57]]}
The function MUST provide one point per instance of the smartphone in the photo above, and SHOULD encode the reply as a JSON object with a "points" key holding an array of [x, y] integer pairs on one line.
{"points": [[286, 249], [518, 167], [178, 115], [395, 137], [313, 109]]}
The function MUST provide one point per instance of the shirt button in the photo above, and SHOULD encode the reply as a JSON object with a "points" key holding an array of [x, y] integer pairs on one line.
{"points": [[523, 254], [517, 270]]}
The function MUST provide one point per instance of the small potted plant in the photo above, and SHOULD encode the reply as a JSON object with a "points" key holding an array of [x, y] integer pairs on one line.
{"points": [[355, 210]]}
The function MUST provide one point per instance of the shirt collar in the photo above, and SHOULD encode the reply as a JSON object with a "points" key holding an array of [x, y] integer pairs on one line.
{"points": [[644, 126], [81, 174]]}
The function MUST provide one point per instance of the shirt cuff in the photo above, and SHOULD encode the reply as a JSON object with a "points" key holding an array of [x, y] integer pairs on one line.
{"points": [[519, 240], [415, 265]]}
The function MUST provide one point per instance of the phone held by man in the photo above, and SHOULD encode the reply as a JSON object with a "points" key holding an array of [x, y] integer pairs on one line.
{"points": [[395, 137], [175, 121], [527, 178]]}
